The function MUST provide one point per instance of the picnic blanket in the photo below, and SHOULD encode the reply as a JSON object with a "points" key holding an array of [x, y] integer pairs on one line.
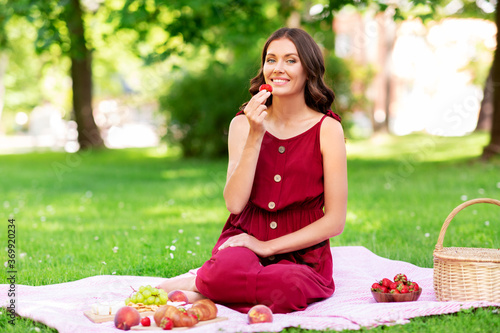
{"points": [[351, 307]]}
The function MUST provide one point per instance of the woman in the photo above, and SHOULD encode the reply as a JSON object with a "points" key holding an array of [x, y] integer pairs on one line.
{"points": [[286, 188]]}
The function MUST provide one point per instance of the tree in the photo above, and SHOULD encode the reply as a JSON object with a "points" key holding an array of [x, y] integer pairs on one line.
{"points": [[61, 25], [163, 28], [81, 73], [493, 147], [483, 10]]}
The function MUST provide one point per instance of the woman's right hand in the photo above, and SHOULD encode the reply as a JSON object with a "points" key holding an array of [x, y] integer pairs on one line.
{"points": [[256, 111], [244, 142]]}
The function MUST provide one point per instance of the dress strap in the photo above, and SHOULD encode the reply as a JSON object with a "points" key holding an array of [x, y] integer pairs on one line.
{"points": [[333, 115]]}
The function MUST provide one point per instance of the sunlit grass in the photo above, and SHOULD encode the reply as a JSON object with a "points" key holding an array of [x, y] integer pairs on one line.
{"points": [[418, 147], [149, 212]]}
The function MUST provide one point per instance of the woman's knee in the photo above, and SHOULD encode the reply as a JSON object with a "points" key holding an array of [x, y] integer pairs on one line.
{"points": [[227, 267]]}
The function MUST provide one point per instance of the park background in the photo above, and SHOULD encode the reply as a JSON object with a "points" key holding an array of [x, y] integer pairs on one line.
{"points": [[114, 117]]}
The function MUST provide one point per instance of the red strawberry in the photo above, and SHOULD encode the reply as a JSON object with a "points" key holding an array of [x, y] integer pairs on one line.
{"points": [[166, 323], [385, 282], [394, 291], [394, 285], [414, 287], [266, 87], [384, 289], [376, 287], [404, 289], [400, 277], [146, 321]]}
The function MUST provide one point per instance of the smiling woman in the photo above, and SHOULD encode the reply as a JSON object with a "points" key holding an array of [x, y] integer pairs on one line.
{"points": [[286, 188]]}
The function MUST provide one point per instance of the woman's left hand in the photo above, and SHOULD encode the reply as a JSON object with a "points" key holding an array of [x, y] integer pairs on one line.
{"points": [[248, 241]]}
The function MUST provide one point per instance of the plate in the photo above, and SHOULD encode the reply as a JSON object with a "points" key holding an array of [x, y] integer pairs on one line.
{"points": [[388, 297], [153, 326], [104, 318]]}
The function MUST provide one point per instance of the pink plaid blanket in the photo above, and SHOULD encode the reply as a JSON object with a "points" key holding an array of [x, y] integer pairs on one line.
{"points": [[351, 307]]}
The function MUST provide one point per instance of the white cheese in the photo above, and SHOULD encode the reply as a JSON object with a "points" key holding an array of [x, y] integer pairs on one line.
{"points": [[115, 307], [103, 309]]}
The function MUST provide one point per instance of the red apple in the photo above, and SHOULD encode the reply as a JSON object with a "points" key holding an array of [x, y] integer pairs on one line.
{"points": [[126, 317], [177, 296], [260, 314]]}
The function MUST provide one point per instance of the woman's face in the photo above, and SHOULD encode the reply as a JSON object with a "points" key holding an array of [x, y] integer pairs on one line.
{"points": [[283, 69]]}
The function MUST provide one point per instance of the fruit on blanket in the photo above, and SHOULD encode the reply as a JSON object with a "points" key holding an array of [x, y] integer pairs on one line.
{"points": [[266, 87], [177, 296], [404, 289], [159, 314], [146, 321], [148, 295], [401, 290], [413, 286], [385, 282], [166, 323], [401, 277], [203, 309], [127, 317], [376, 287], [179, 318], [260, 314], [401, 285]]}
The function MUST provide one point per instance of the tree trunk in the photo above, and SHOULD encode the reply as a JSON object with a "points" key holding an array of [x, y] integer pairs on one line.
{"points": [[390, 41], [81, 75], [493, 148], [384, 79], [486, 110]]}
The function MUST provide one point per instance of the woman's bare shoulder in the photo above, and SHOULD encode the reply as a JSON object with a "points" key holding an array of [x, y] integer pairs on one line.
{"points": [[239, 123], [331, 127]]}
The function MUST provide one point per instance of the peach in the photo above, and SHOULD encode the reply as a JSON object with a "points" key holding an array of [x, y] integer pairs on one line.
{"points": [[126, 317], [177, 296], [260, 314]]}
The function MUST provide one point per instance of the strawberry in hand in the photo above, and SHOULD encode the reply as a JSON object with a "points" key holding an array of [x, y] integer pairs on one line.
{"points": [[266, 87]]}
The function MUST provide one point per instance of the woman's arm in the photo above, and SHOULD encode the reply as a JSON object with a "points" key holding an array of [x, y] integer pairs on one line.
{"points": [[335, 184], [244, 141]]}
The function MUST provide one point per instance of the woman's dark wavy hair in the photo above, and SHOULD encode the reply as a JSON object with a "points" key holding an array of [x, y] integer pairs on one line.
{"points": [[317, 94]]}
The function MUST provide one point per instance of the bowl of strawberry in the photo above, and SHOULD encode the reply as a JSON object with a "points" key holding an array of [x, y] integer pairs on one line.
{"points": [[399, 290]]}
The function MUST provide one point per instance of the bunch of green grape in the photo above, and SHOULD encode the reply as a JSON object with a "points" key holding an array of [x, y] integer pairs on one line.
{"points": [[149, 296]]}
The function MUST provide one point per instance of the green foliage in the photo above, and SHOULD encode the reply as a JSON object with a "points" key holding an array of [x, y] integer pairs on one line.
{"points": [[338, 76], [215, 24], [201, 106]]}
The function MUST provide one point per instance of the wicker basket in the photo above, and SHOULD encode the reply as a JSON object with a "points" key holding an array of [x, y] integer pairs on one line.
{"points": [[466, 274]]}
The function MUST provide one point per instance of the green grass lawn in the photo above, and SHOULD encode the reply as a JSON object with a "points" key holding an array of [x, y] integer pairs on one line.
{"points": [[149, 212]]}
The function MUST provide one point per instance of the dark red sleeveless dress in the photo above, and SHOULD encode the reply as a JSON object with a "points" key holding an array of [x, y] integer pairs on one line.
{"points": [[287, 195]]}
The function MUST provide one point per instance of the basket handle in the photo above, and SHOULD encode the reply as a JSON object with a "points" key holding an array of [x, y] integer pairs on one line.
{"points": [[439, 245]]}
